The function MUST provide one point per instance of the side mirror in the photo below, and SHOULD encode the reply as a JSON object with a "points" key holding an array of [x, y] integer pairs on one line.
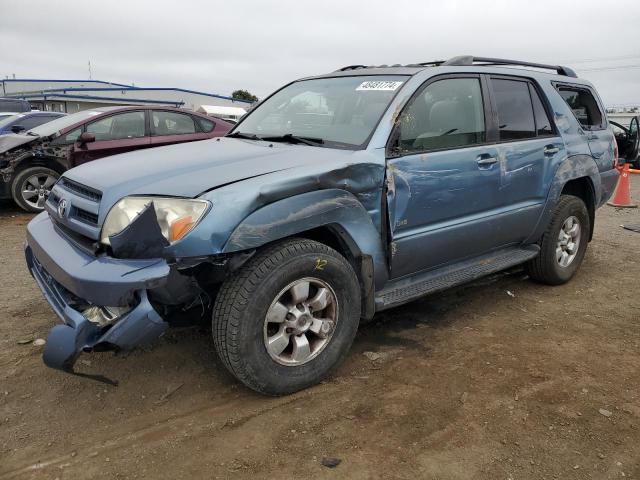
{"points": [[86, 137], [17, 128]]}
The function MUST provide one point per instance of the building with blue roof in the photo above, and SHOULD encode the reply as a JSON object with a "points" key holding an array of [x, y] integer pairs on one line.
{"points": [[71, 96]]}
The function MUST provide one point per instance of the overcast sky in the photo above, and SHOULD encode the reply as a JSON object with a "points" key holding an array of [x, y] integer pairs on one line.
{"points": [[217, 46]]}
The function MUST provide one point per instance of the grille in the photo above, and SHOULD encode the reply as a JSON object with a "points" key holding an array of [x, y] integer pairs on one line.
{"points": [[78, 239], [87, 217], [81, 190], [83, 204]]}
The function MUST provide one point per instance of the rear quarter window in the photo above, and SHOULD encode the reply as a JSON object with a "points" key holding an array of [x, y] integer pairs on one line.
{"points": [[205, 124], [583, 105]]}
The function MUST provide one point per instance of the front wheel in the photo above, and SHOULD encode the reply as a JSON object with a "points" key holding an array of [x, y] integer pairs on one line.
{"points": [[564, 244], [287, 318], [31, 187]]}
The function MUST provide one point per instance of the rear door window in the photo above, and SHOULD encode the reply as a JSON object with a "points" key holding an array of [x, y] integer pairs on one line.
{"points": [[171, 123], [583, 105], [515, 110], [543, 123]]}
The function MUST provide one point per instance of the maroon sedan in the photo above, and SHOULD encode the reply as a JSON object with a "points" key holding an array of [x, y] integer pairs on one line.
{"points": [[32, 161]]}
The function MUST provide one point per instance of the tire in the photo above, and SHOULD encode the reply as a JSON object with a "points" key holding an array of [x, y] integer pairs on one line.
{"points": [[240, 330], [547, 267], [38, 181]]}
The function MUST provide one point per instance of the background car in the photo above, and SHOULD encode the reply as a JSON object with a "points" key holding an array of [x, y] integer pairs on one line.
{"points": [[32, 161], [4, 115], [17, 105], [20, 122], [628, 139]]}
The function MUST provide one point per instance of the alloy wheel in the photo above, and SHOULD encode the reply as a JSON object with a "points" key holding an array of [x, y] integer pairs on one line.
{"points": [[36, 189], [568, 241], [300, 322]]}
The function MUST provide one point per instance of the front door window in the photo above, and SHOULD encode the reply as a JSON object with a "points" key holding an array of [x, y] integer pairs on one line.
{"points": [[447, 114], [118, 127]]}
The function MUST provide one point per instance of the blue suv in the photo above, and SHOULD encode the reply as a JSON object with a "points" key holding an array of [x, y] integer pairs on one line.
{"points": [[338, 196]]}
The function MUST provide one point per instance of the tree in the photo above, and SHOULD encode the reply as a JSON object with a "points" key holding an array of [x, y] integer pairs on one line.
{"points": [[244, 95]]}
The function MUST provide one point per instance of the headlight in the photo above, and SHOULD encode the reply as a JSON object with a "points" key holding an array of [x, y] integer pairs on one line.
{"points": [[176, 216]]}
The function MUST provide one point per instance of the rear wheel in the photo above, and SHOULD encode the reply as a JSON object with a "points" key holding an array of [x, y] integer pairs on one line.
{"points": [[563, 245], [287, 318], [31, 187]]}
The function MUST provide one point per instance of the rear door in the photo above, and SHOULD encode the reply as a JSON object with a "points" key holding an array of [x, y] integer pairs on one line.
{"points": [[529, 149], [168, 127], [443, 177], [117, 133]]}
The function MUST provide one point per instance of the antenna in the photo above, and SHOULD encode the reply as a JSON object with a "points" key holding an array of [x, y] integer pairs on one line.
{"points": [[90, 70]]}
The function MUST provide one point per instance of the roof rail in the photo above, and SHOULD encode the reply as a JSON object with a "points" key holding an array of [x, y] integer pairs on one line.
{"points": [[468, 60], [350, 67]]}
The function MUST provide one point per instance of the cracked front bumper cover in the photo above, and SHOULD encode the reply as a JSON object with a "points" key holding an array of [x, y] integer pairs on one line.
{"points": [[67, 275]]}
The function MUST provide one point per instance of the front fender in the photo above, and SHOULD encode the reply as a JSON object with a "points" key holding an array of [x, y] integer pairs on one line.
{"points": [[293, 215]]}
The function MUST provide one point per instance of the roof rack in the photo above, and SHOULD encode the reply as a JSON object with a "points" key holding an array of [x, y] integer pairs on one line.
{"points": [[350, 67], [468, 60]]}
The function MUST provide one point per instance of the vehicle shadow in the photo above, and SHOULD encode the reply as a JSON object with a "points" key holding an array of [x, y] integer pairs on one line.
{"points": [[392, 328], [9, 209], [389, 330]]}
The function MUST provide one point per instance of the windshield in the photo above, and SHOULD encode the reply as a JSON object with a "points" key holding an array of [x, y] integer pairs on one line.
{"points": [[7, 119], [343, 111], [58, 124]]}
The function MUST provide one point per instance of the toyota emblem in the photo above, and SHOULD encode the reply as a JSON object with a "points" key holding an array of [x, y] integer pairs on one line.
{"points": [[62, 208]]}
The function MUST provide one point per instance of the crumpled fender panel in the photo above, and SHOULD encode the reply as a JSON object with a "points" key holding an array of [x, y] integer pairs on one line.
{"points": [[307, 211]]}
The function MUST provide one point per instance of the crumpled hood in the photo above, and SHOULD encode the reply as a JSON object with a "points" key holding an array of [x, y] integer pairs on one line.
{"points": [[11, 140], [189, 169]]}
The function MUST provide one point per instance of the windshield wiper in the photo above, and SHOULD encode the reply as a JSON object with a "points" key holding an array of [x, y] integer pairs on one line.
{"points": [[248, 136], [288, 137]]}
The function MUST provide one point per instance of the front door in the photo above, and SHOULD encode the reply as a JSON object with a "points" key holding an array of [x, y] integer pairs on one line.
{"points": [[118, 133], [443, 177], [628, 139], [634, 141]]}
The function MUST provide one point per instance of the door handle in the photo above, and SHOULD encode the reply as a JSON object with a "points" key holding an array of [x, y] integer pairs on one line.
{"points": [[551, 150], [485, 160]]}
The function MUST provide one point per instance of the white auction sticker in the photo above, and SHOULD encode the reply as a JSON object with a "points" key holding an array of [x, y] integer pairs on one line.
{"points": [[383, 85]]}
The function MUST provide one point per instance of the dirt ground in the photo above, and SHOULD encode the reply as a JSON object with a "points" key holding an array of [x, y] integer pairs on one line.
{"points": [[501, 379]]}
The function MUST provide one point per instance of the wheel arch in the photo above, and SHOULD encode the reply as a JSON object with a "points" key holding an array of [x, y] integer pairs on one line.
{"points": [[582, 188], [333, 217], [576, 175], [36, 161]]}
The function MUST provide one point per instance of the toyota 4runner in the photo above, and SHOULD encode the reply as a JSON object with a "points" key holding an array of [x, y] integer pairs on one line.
{"points": [[337, 197]]}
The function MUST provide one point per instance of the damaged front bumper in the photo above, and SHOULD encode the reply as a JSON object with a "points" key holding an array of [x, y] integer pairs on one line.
{"points": [[72, 280]]}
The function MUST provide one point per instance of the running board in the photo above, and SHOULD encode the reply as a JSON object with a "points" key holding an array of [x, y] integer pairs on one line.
{"points": [[407, 289]]}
